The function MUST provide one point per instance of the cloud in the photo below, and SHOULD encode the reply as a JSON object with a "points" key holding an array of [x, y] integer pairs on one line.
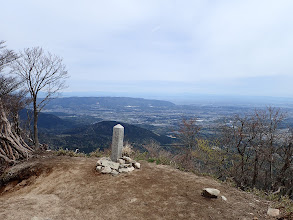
{"points": [[155, 29], [198, 42]]}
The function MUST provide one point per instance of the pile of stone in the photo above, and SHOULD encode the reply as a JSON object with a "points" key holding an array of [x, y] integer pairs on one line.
{"points": [[117, 164], [123, 165]]}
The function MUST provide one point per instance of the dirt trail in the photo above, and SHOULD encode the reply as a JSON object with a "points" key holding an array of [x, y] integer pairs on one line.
{"points": [[69, 188]]}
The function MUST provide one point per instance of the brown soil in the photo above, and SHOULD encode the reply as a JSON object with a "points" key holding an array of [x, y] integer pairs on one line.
{"points": [[70, 188]]}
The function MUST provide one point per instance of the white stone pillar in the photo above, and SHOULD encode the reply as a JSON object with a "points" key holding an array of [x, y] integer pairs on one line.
{"points": [[117, 142]]}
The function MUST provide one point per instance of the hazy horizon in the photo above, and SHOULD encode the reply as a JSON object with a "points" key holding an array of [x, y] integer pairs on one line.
{"points": [[193, 99], [161, 48]]}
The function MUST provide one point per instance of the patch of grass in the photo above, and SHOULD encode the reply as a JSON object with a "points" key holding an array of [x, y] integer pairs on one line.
{"points": [[97, 153], [286, 203], [279, 202], [70, 153], [163, 160], [140, 156], [151, 160], [127, 150]]}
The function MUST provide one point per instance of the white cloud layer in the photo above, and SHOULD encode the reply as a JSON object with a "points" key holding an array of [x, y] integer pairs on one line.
{"points": [[205, 45]]}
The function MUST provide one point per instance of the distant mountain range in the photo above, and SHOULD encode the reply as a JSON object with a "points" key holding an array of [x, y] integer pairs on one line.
{"points": [[106, 102]]}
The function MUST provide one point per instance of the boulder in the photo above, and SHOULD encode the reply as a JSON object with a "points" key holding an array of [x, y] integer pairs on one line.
{"points": [[210, 193]]}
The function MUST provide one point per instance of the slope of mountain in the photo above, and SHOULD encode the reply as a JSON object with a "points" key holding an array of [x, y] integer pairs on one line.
{"points": [[47, 123], [99, 135], [70, 188]]}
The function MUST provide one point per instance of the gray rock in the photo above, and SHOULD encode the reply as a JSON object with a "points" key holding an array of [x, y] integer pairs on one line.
{"points": [[114, 172], [121, 161], [273, 212], [127, 159], [106, 170], [210, 193], [111, 164], [130, 169], [224, 198], [125, 165], [99, 162], [123, 170], [99, 168], [137, 165]]}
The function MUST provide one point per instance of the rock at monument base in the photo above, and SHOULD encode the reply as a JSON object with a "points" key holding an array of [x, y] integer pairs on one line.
{"points": [[127, 159], [99, 162], [106, 170], [137, 165], [210, 193], [273, 212], [111, 164], [121, 161], [126, 165], [130, 169], [114, 172], [123, 170], [99, 168], [123, 165]]}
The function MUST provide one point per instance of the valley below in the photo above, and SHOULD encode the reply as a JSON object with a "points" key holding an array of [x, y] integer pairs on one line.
{"points": [[73, 122]]}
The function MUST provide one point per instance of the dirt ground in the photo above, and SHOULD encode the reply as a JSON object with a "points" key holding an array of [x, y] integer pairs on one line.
{"points": [[70, 188]]}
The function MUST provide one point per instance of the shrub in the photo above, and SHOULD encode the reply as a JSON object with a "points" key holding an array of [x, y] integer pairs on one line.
{"points": [[97, 153], [70, 153], [127, 150]]}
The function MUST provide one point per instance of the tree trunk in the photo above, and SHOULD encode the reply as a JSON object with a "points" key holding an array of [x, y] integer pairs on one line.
{"points": [[36, 114], [255, 169], [12, 146]]}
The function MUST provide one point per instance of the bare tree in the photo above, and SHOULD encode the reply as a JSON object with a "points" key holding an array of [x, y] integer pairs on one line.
{"points": [[263, 151], [42, 72], [188, 133], [12, 146], [6, 56]]}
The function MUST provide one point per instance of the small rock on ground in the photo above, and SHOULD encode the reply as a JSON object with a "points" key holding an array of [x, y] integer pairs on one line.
{"points": [[273, 212], [210, 193]]}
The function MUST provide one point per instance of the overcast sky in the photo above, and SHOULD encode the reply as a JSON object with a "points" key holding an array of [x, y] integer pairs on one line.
{"points": [[233, 47]]}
